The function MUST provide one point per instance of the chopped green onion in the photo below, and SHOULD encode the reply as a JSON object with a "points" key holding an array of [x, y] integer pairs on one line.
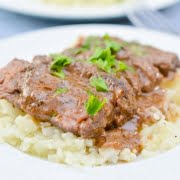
{"points": [[94, 105], [99, 83]]}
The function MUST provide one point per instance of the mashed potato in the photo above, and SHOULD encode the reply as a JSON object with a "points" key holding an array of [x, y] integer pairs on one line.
{"points": [[43, 140]]}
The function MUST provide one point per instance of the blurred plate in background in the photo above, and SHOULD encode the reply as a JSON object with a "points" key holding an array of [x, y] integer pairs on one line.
{"points": [[39, 9]]}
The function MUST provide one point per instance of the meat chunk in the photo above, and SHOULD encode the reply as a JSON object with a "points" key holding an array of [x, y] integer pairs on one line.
{"points": [[164, 61], [31, 88]]}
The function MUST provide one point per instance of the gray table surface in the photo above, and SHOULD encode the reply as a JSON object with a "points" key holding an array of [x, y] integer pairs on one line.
{"points": [[13, 24]]}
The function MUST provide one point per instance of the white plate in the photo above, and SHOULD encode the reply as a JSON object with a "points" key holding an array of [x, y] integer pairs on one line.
{"points": [[39, 9], [15, 165]]}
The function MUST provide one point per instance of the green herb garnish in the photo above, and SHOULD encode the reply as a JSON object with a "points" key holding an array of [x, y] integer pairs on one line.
{"points": [[104, 59], [80, 50], [106, 36], [99, 83], [113, 45], [94, 105], [110, 43], [122, 66], [91, 41], [60, 91], [59, 62]]}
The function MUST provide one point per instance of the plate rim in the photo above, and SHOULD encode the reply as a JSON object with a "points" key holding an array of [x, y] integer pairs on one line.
{"points": [[77, 26]]}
